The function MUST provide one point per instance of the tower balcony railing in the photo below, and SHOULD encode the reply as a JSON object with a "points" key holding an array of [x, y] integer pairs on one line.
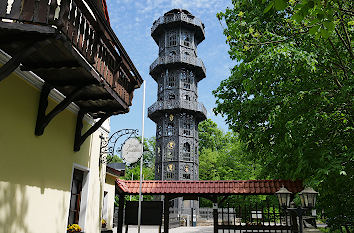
{"points": [[84, 31], [178, 58], [175, 17], [177, 104]]}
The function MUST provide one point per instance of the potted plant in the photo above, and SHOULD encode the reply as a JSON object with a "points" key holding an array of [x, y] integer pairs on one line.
{"points": [[73, 228], [104, 223]]}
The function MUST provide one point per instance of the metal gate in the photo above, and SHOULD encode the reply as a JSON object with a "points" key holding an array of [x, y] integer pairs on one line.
{"points": [[254, 218], [174, 218]]}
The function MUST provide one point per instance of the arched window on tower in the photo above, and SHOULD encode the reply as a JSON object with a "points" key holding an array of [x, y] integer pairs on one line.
{"points": [[186, 152]]}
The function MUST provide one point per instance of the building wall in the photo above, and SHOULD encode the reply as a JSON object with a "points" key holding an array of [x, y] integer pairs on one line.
{"points": [[110, 189], [36, 171]]}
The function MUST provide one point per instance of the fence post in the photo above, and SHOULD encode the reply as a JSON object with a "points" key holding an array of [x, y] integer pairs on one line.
{"points": [[166, 214], [120, 214], [215, 215]]}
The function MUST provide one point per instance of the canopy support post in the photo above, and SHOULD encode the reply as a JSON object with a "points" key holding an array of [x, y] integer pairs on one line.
{"points": [[166, 214], [120, 214]]}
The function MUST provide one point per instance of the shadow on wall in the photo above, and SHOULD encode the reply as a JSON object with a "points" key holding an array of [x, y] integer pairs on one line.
{"points": [[13, 200]]}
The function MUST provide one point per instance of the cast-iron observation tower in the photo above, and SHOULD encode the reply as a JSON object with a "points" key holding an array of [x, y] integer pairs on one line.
{"points": [[177, 112]]}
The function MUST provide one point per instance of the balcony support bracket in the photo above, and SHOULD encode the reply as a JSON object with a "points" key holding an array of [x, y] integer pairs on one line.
{"points": [[79, 137], [43, 119]]}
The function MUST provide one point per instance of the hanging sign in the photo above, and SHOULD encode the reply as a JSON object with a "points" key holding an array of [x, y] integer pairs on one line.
{"points": [[131, 150]]}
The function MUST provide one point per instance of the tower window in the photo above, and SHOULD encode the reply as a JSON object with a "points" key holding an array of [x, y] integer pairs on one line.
{"points": [[172, 39], [186, 40], [186, 176], [171, 96], [159, 131], [171, 81], [172, 53], [187, 129], [186, 152], [169, 175], [187, 97], [170, 129], [186, 79]]}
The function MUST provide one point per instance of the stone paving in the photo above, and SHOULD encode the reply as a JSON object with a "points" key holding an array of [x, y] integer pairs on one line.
{"points": [[155, 229], [201, 229]]}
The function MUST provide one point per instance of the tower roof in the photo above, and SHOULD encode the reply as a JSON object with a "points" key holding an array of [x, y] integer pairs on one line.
{"points": [[176, 18], [173, 11]]}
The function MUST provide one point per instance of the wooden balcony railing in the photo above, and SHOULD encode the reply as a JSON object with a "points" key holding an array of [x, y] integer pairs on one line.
{"points": [[72, 48], [82, 25]]}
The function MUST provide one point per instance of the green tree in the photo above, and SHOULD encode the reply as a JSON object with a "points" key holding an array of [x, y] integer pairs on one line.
{"points": [[132, 171], [222, 157], [290, 96]]}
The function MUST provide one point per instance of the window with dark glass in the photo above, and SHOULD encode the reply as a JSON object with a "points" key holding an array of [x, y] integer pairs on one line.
{"points": [[171, 81], [186, 40], [172, 39], [186, 80], [186, 152], [170, 129], [75, 199], [186, 128], [159, 131], [169, 175]]}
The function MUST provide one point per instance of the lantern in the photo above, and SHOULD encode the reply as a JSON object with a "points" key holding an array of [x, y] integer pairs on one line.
{"points": [[308, 197], [284, 197]]}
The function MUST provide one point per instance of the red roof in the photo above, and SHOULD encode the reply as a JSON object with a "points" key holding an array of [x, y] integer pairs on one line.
{"points": [[265, 187]]}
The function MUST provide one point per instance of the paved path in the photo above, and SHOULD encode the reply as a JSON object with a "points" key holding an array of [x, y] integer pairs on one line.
{"points": [[201, 229], [154, 229]]}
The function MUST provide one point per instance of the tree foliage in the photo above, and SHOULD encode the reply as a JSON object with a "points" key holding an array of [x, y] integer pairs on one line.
{"points": [[222, 156], [132, 171], [290, 97]]}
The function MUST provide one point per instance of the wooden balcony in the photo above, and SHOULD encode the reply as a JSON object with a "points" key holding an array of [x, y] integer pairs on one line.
{"points": [[74, 50]]}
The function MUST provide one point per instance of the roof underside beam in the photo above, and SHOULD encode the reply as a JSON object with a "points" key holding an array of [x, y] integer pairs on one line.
{"points": [[17, 58]]}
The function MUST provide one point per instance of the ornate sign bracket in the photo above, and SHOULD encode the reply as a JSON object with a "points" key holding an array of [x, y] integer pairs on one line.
{"points": [[108, 145]]}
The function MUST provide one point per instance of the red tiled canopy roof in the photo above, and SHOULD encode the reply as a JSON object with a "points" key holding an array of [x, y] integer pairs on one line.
{"points": [[208, 187]]}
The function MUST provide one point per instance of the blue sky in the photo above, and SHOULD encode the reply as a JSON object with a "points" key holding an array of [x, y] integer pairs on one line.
{"points": [[132, 20]]}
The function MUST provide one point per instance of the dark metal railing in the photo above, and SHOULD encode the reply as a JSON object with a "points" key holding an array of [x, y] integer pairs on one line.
{"points": [[174, 104], [254, 218]]}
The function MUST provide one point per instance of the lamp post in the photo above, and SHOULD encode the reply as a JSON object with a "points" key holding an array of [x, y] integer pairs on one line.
{"points": [[308, 201]]}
